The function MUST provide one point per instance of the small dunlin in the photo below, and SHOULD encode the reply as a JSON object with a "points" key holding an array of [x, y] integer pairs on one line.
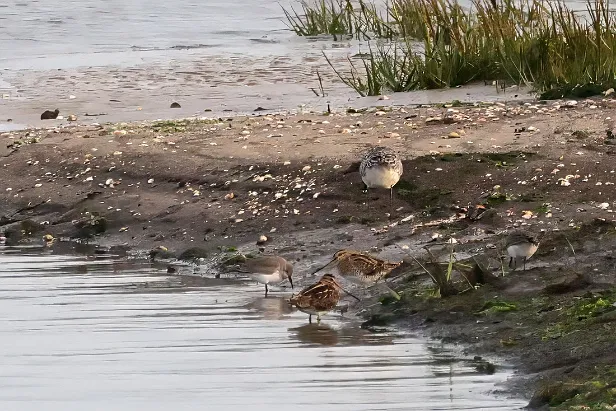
{"points": [[268, 270], [520, 245]]}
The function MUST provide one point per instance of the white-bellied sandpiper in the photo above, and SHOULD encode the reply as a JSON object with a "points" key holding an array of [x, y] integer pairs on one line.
{"points": [[268, 270], [381, 167], [520, 245]]}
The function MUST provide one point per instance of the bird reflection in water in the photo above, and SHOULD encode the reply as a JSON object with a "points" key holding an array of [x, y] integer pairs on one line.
{"points": [[325, 334], [271, 308], [316, 333]]}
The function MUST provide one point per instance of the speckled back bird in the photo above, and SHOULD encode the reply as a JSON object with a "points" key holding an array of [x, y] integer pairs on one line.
{"points": [[381, 167], [319, 298], [360, 268]]}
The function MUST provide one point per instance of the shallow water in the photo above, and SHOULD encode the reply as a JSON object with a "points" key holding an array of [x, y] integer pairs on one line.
{"points": [[119, 60], [99, 334]]}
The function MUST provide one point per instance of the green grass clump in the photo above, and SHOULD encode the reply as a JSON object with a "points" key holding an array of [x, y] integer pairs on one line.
{"points": [[438, 43], [496, 306], [339, 18]]}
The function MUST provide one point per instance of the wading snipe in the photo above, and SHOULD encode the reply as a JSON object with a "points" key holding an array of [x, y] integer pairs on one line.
{"points": [[360, 268], [319, 298]]}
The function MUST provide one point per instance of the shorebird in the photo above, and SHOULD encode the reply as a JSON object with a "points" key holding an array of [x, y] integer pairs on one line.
{"points": [[50, 115], [381, 167], [268, 270], [319, 298], [520, 244], [360, 268]]}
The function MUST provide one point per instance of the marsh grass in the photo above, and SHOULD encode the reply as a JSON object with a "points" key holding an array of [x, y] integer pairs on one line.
{"points": [[438, 43], [340, 19]]}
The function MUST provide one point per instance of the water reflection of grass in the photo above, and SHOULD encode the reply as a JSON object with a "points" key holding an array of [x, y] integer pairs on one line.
{"points": [[438, 43]]}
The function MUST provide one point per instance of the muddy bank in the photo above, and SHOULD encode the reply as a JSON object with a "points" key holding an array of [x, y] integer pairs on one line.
{"points": [[209, 187]]}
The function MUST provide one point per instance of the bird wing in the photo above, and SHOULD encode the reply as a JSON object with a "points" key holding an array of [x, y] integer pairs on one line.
{"points": [[316, 295], [265, 265]]}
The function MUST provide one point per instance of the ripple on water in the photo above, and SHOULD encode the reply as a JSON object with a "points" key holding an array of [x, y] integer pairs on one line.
{"points": [[98, 333]]}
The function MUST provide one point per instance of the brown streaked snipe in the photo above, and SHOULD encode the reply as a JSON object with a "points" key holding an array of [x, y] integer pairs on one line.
{"points": [[360, 268], [319, 298]]}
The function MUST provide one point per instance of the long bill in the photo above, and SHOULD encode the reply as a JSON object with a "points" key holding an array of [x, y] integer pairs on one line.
{"points": [[322, 268], [346, 292]]}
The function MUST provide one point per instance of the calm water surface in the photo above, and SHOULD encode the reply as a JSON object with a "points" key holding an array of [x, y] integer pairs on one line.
{"points": [[119, 60], [80, 333]]}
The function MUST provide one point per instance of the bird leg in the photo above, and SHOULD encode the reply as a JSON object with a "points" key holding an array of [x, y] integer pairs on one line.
{"points": [[511, 262], [365, 189], [266, 290], [318, 319], [309, 318], [525, 258]]}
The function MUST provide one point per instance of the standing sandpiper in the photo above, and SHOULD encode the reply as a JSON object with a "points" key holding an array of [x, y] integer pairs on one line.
{"points": [[319, 298], [520, 245], [381, 167], [360, 268], [268, 270]]}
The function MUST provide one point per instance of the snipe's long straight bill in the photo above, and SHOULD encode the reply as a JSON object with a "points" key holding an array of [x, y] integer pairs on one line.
{"points": [[324, 267], [348, 293]]}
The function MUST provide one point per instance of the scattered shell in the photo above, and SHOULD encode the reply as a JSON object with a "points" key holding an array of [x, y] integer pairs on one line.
{"points": [[434, 120], [150, 181], [229, 196], [72, 117], [262, 240]]}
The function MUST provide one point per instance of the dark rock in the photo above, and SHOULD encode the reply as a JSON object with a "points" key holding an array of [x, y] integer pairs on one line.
{"points": [[568, 284], [171, 270], [379, 320], [90, 225], [161, 253], [193, 253], [175, 105], [50, 115], [552, 394]]}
